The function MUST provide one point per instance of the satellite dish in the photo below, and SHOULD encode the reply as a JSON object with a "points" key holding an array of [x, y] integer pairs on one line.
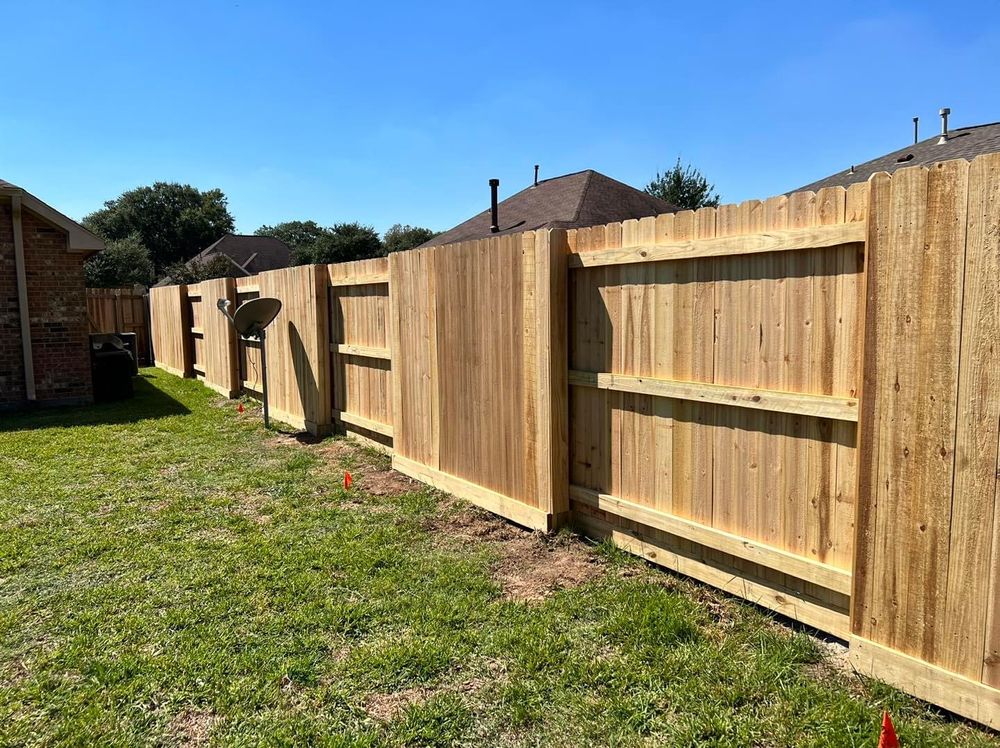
{"points": [[250, 320], [254, 315]]}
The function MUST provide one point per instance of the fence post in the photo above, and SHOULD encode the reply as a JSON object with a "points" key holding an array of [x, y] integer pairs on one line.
{"points": [[552, 388], [186, 360]]}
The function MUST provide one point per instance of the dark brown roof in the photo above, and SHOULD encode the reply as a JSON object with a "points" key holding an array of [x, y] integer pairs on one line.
{"points": [[7, 185], [252, 254], [965, 142], [585, 198]]}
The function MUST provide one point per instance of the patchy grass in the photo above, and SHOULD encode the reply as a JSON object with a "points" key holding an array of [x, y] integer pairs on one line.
{"points": [[171, 573]]}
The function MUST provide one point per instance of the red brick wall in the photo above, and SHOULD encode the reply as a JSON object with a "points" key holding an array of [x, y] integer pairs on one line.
{"points": [[57, 306], [11, 366]]}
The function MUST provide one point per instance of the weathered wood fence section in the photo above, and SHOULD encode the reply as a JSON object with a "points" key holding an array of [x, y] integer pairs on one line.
{"points": [[121, 310], [796, 400]]}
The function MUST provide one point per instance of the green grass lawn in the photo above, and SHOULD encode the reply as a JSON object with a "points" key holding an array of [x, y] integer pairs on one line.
{"points": [[171, 573]]}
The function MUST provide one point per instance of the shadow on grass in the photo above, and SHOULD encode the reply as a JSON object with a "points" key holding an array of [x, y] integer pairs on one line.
{"points": [[148, 403]]}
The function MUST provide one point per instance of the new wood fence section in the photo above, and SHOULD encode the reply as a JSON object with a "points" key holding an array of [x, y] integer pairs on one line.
{"points": [[796, 400], [121, 310]]}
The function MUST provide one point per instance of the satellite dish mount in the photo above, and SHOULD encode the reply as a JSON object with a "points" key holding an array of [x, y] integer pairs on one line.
{"points": [[250, 321]]}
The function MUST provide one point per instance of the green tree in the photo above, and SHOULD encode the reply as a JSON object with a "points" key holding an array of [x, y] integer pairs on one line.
{"points": [[173, 221], [124, 262], [685, 187], [311, 243], [342, 242], [298, 235], [399, 238], [195, 271]]}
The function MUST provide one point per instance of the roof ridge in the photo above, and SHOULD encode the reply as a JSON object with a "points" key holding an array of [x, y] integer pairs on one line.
{"points": [[583, 194]]}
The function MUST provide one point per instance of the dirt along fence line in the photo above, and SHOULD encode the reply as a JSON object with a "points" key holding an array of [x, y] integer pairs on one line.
{"points": [[796, 400]]}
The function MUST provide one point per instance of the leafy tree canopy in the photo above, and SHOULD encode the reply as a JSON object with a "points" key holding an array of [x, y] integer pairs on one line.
{"points": [[298, 235], [399, 238], [124, 262], [685, 187], [311, 243], [217, 266], [173, 221], [345, 242]]}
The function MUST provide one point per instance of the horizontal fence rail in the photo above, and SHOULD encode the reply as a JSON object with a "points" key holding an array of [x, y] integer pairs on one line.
{"points": [[795, 400]]}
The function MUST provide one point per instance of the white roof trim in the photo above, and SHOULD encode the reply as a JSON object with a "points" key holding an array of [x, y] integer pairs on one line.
{"points": [[80, 239]]}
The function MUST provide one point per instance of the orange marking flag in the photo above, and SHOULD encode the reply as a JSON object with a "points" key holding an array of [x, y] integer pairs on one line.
{"points": [[888, 737]]}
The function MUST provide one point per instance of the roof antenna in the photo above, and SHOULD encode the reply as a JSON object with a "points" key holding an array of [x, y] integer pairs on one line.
{"points": [[916, 130], [494, 222], [536, 176], [944, 125]]}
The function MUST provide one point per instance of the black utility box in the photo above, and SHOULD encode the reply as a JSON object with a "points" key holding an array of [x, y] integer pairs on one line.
{"points": [[112, 366]]}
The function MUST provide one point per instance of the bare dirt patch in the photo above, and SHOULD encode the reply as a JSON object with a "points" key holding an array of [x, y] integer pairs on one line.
{"points": [[385, 707], [191, 727], [531, 566], [13, 673], [386, 483]]}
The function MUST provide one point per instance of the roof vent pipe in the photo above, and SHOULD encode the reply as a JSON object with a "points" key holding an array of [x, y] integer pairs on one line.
{"points": [[536, 176], [494, 223], [916, 130], [944, 125]]}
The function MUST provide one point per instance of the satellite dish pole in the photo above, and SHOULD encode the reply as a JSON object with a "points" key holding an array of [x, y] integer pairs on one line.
{"points": [[250, 321], [263, 375]]}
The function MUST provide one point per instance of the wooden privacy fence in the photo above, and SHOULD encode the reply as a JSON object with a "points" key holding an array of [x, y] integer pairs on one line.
{"points": [[121, 310], [796, 400]]}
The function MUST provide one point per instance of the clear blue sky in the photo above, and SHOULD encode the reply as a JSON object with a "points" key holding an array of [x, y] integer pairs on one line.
{"points": [[400, 112]]}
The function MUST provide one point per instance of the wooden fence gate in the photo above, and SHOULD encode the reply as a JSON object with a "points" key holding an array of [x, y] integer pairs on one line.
{"points": [[121, 310]]}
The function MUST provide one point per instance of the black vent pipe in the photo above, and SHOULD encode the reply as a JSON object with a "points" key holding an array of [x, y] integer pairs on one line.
{"points": [[494, 222]]}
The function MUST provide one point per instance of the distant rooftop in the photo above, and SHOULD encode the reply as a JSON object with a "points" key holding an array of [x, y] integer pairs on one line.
{"points": [[584, 198], [964, 142], [250, 253]]}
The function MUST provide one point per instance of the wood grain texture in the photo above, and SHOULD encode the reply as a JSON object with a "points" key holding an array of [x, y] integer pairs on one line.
{"points": [[830, 577], [965, 697], [169, 323], [360, 360], [217, 352], [676, 343], [298, 346], [821, 406], [707, 245]]}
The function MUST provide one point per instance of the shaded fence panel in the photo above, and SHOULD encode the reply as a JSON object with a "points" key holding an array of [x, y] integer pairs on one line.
{"points": [[121, 310], [926, 589], [298, 346], [361, 373], [248, 351], [773, 324], [213, 336]]}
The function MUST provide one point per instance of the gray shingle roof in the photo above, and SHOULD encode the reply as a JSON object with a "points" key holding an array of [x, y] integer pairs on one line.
{"points": [[254, 254], [964, 142], [584, 198]]}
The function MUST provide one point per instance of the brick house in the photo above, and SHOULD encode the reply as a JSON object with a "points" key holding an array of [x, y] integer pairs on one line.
{"points": [[43, 304]]}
